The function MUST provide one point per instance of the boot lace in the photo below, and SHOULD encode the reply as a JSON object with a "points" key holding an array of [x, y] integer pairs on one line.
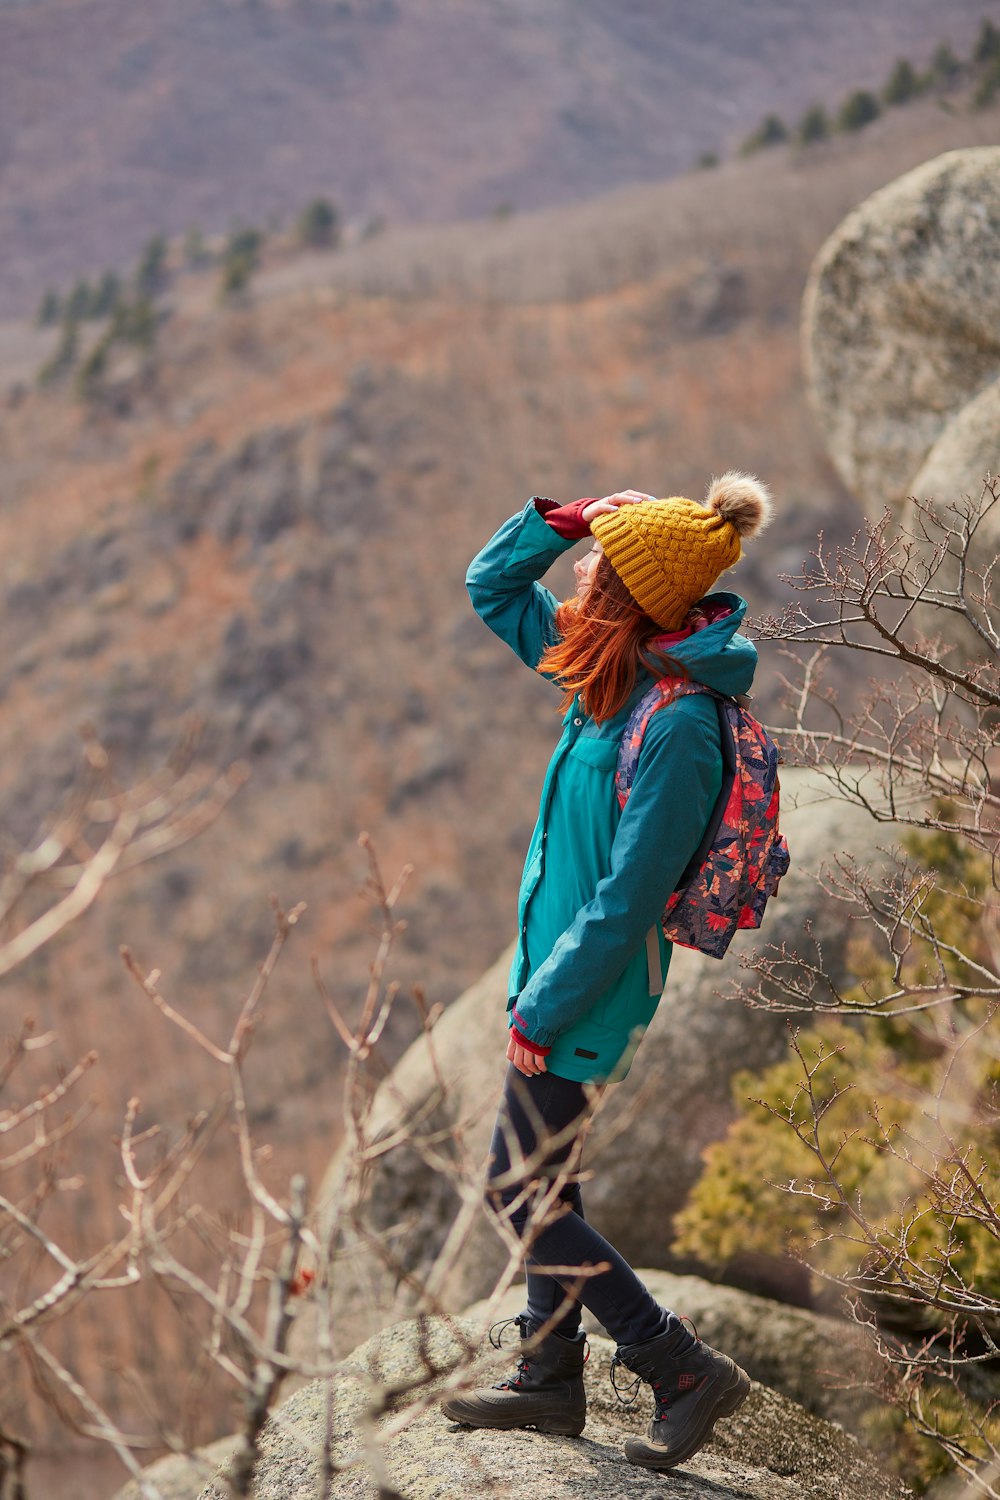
{"points": [[496, 1339], [498, 1330], [521, 1323], [628, 1397], [631, 1391]]}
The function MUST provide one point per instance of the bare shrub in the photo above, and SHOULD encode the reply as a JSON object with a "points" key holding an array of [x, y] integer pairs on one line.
{"points": [[882, 1129], [237, 1280]]}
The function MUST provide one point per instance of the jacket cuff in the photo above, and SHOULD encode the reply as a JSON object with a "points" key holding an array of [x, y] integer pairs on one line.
{"points": [[567, 520], [542, 1039], [528, 1044]]}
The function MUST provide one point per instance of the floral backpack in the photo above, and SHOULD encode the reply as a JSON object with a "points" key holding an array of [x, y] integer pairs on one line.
{"points": [[736, 869]]}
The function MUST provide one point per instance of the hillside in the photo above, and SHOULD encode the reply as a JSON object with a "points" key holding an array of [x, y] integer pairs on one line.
{"points": [[269, 524], [118, 119]]}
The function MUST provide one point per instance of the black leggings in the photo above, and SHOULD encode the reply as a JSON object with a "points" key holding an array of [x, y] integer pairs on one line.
{"points": [[616, 1297]]}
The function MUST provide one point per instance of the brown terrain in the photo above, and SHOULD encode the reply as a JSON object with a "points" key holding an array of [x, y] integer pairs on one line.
{"points": [[119, 119], [267, 523]]}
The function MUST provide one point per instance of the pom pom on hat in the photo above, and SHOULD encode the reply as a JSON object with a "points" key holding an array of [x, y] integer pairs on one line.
{"points": [[741, 500]]}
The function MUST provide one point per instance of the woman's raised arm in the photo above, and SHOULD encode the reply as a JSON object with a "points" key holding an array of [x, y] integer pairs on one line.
{"points": [[503, 586]]}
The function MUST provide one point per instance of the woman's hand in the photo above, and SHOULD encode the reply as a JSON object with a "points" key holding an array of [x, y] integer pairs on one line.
{"points": [[524, 1061], [612, 502]]}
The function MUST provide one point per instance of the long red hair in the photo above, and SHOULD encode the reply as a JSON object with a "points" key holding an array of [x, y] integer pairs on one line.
{"points": [[604, 638]]}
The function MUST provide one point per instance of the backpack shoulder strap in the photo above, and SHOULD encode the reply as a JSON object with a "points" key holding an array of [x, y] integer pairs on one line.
{"points": [[660, 695]]}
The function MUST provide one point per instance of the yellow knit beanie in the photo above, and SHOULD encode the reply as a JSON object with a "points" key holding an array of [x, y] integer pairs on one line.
{"points": [[669, 553]]}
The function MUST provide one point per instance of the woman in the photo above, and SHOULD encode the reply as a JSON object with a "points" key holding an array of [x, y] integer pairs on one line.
{"points": [[587, 975]]}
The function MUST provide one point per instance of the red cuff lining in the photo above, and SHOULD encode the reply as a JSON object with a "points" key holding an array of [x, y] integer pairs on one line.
{"points": [[567, 520], [528, 1044]]}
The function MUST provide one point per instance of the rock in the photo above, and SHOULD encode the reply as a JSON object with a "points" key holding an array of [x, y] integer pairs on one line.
{"points": [[966, 450], [256, 663], [673, 1104], [956, 467], [899, 319], [182, 1476], [770, 1450], [797, 1352]]}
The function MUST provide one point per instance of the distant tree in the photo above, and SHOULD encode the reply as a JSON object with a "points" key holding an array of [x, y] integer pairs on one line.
{"points": [[92, 368], [245, 243], [134, 322], [151, 271], [902, 84], [987, 43], [319, 223], [49, 309], [237, 268], [945, 66], [706, 161], [858, 110], [814, 125], [106, 295], [988, 86], [196, 252], [79, 302], [65, 355], [239, 261], [770, 132]]}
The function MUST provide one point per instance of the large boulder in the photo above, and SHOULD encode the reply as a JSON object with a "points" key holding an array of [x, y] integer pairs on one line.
{"points": [[900, 326], [770, 1450], [649, 1135]]}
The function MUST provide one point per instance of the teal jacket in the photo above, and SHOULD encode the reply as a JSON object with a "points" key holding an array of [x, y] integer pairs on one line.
{"points": [[596, 878]]}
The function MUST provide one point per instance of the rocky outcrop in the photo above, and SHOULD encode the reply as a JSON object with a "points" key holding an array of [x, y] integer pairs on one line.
{"points": [[901, 333], [701, 1035], [798, 1354], [770, 1450]]}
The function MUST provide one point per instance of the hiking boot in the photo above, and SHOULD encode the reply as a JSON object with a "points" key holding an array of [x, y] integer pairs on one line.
{"points": [[545, 1392], [692, 1388]]}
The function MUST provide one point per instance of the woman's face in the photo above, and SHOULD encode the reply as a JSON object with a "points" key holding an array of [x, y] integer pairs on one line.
{"points": [[585, 567]]}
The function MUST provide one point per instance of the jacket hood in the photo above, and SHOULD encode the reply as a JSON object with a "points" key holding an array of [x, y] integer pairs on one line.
{"points": [[718, 655]]}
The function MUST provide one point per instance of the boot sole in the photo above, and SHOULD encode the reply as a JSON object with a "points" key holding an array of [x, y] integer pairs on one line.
{"points": [[730, 1398], [567, 1426]]}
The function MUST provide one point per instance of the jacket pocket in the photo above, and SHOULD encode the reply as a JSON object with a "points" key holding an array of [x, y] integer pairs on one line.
{"points": [[602, 754]]}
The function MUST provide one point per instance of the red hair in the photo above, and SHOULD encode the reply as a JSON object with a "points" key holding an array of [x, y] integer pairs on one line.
{"points": [[604, 638]]}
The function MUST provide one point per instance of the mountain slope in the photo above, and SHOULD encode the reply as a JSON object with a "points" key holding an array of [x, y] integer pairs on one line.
{"points": [[119, 119]]}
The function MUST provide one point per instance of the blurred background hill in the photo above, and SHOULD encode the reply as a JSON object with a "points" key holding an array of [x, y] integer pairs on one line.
{"points": [[260, 511], [121, 119]]}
